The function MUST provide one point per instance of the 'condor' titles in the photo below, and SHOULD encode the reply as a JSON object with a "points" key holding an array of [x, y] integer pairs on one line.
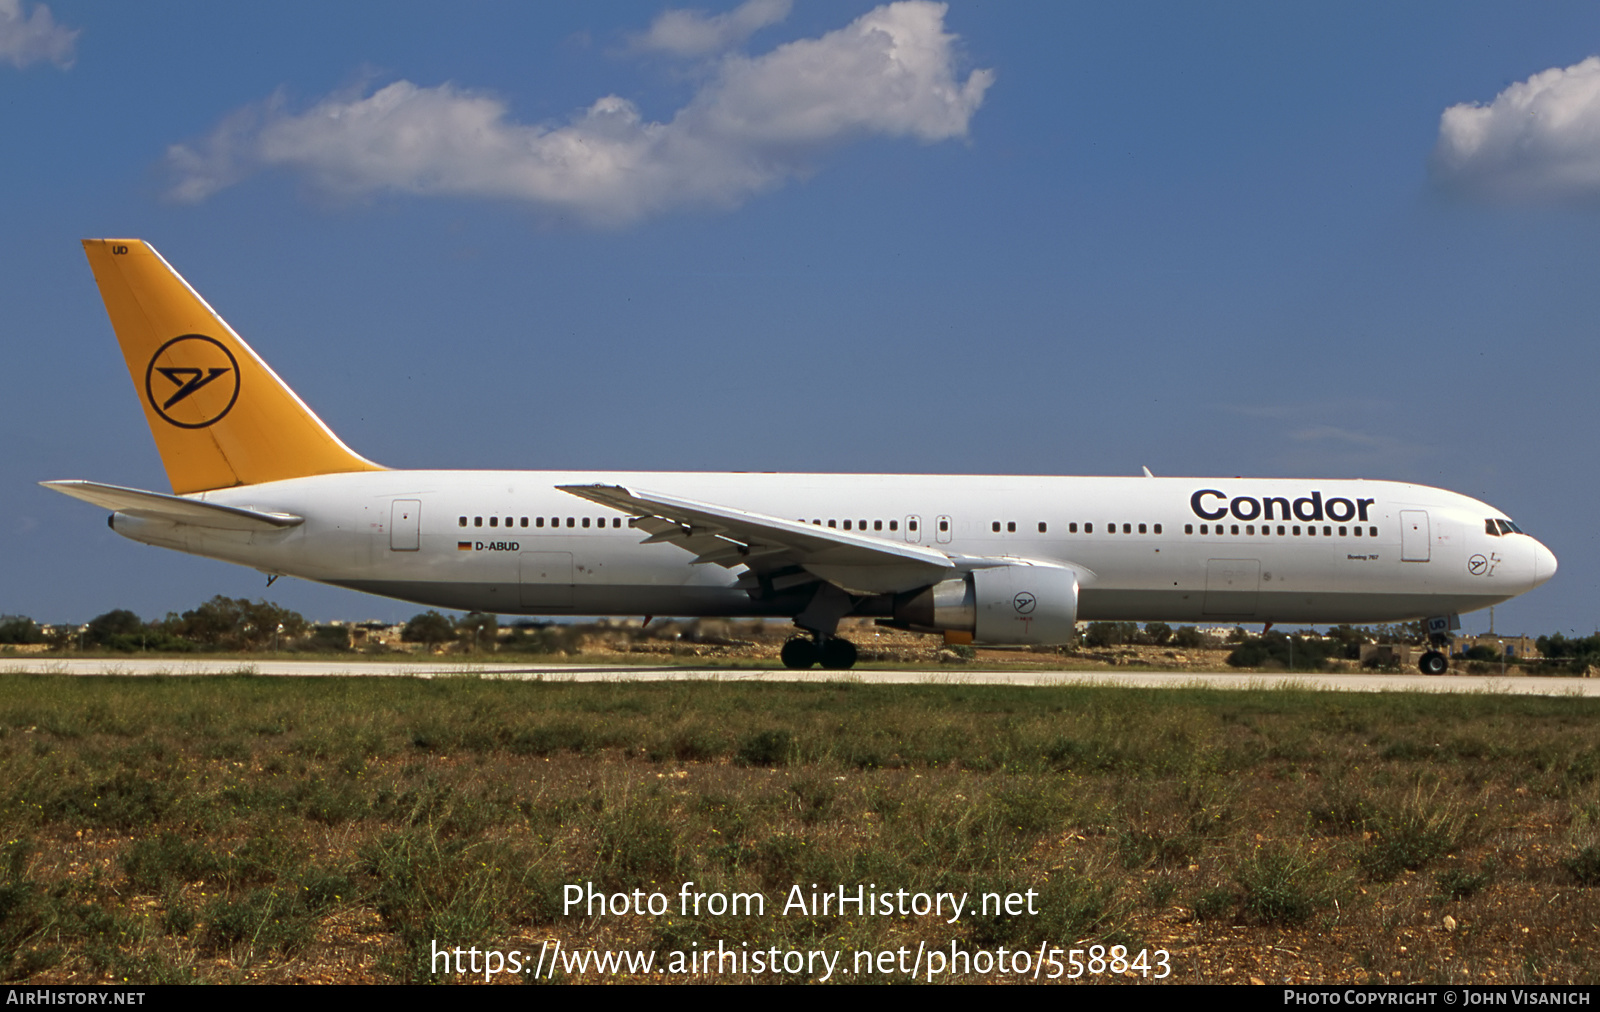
{"points": [[1308, 508]]}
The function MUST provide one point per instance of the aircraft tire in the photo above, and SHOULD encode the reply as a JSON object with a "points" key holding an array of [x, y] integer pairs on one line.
{"points": [[799, 653], [1433, 663], [838, 654]]}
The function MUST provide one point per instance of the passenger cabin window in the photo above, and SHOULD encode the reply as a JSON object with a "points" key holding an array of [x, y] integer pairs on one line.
{"points": [[1042, 527], [477, 521], [463, 521], [995, 527], [894, 525]]}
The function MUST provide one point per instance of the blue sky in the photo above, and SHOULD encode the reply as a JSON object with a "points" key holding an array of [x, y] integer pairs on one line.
{"points": [[1261, 239]]}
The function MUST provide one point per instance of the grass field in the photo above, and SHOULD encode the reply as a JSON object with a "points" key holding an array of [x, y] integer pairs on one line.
{"points": [[255, 829]]}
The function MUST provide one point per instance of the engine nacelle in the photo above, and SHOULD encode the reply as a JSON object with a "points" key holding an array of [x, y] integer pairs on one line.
{"points": [[1008, 605]]}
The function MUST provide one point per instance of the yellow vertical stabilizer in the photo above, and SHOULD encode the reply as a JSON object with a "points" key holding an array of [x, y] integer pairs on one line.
{"points": [[220, 415]]}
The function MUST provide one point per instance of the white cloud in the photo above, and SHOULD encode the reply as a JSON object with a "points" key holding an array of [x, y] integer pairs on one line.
{"points": [[25, 39], [756, 123], [1540, 138], [695, 33]]}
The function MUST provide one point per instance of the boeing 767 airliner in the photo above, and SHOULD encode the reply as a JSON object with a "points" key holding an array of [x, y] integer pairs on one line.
{"points": [[259, 480]]}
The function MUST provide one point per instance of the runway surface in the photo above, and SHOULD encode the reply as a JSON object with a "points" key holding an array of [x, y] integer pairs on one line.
{"points": [[1509, 685]]}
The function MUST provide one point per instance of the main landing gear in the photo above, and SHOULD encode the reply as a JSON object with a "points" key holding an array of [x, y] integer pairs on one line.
{"points": [[831, 652]]}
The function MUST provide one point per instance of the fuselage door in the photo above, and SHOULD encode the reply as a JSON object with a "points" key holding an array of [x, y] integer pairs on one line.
{"points": [[405, 525], [914, 530], [945, 530], [1414, 536]]}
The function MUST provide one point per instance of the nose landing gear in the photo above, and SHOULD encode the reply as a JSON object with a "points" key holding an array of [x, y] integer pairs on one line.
{"points": [[1436, 661]]}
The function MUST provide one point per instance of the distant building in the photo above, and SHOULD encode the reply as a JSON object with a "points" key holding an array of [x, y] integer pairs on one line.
{"points": [[1386, 655], [1520, 647]]}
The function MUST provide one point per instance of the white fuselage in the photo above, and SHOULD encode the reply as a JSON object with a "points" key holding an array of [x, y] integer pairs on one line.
{"points": [[1146, 549]]}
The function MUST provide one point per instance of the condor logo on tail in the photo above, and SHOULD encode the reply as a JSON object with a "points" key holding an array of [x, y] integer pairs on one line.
{"points": [[192, 381]]}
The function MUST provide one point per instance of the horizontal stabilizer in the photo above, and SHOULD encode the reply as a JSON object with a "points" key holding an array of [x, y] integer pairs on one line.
{"points": [[173, 508]]}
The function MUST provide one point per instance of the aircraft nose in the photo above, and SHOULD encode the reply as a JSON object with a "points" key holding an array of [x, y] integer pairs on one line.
{"points": [[1544, 563]]}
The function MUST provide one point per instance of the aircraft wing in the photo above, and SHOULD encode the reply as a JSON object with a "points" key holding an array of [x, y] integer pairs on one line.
{"points": [[173, 508], [768, 545]]}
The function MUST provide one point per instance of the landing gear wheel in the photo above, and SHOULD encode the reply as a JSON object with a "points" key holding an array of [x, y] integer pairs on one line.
{"points": [[837, 654], [799, 653], [1433, 663]]}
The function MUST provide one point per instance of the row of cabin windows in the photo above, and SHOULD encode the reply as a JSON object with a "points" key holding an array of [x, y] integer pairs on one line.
{"points": [[1294, 531], [600, 522], [861, 525], [944, 526], [911, 525], [1112, 528], [1011, 527]]}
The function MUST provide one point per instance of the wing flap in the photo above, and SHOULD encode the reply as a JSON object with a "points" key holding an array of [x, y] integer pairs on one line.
{"points": [[173, 508], [732, 537]]}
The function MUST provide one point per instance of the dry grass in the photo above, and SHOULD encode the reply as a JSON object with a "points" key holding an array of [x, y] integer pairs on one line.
{"points": [[249, 829]]}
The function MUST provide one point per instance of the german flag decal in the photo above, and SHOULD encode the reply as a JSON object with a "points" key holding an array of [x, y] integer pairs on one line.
{"points": [[463, 546]]}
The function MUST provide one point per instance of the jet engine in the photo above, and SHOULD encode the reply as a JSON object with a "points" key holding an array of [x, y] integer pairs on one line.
{"points": [[1006, 605]]}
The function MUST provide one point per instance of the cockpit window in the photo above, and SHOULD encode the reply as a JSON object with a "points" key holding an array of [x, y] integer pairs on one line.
{"points": [[1490, 529], [1507, 527]]}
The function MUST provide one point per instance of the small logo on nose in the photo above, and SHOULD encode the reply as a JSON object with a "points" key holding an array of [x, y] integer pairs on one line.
{"points": [[1477, 565]]}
